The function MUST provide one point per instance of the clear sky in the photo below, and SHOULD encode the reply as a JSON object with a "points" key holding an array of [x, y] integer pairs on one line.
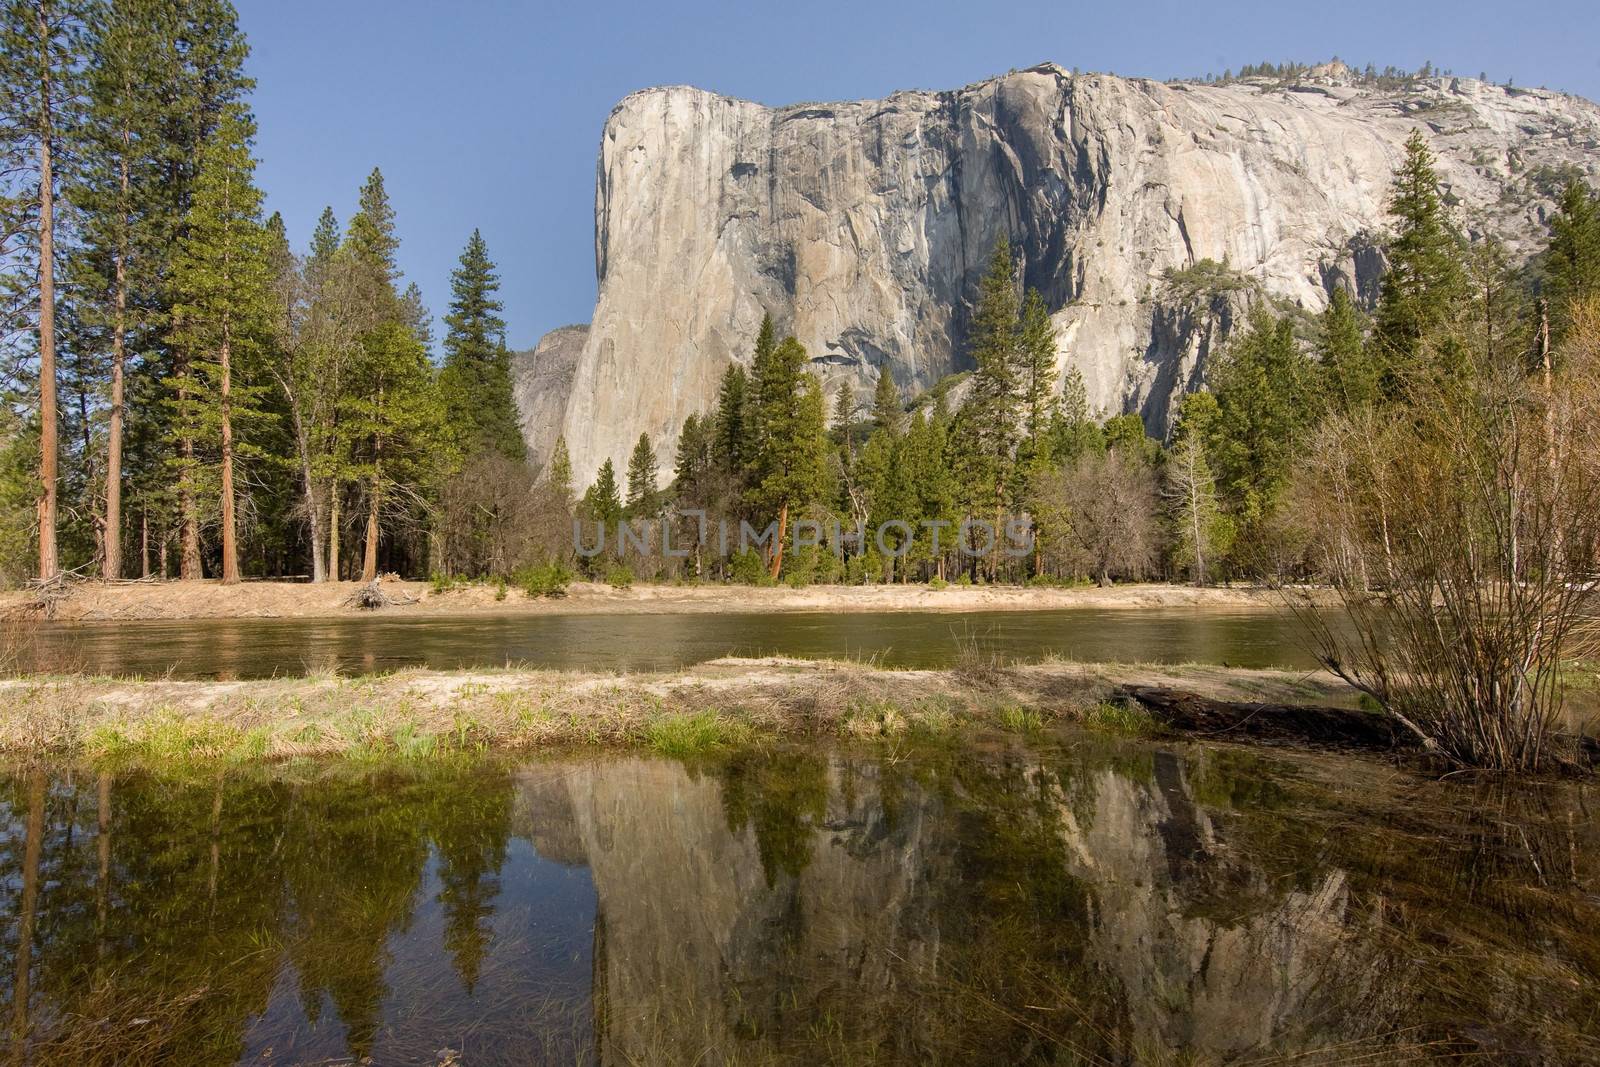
{"points": [[487, 113]]}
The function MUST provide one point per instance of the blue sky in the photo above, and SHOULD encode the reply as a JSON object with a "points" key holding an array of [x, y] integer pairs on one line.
{"points": [[487, 113]]}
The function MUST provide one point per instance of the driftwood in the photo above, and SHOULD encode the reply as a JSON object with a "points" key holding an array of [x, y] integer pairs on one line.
{"points": [[371, 597], [48, 593]]}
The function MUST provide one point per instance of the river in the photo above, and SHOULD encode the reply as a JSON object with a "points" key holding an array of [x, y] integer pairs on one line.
{"points": [[258, 648]]}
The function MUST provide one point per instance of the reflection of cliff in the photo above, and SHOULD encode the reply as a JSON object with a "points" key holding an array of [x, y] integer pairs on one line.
{"points": [[701, 952], [1212, 955], [758, 910]]}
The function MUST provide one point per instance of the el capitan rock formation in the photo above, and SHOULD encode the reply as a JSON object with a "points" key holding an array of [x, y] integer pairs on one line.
{"points": [[862, 227]]}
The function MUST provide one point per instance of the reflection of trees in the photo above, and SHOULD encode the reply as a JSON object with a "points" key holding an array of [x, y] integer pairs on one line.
{"points": [[1125, 903], [167, 908], [783, 796]]}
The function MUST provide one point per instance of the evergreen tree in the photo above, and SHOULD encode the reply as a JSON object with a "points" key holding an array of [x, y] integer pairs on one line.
{"points": [[1424, 276], [788, 461], [1073, 431], [42, 56], [887, 414], [602, 502], [1036, 366], [1126, 433], [391, 415], [1265, 406], [221, 315], [642, 470], [475, 383], [1572, 263], [987, 423], [729, 429], [121, 150], [558, 472], [1348, 365]]}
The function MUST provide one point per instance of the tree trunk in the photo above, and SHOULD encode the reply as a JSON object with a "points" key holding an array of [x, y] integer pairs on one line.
{"points": [[189, 518], [777, 549], [144, 543], [230, 533], [112, 567], [333, 531], [49, 560], [369, 559]]}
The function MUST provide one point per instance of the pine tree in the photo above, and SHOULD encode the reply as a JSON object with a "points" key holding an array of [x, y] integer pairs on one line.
{"points": [[1348, 365], [887, 414], [1073, 430], [602, 502], [1265, 405], [1572, 263], [391, 416], [788, 459], [115, 191], [729, 431], [42, 56], [987, 423], [642, 471], [1424, 277], [1036, 367], [221, 315], [558, 472], [476, 380]]}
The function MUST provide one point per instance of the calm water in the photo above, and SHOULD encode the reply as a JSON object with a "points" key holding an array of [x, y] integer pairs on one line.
{"points": [[253, 648], [1085, 901]]}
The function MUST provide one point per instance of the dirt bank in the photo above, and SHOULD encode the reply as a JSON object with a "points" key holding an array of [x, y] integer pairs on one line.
{"points": [[419, 713], [210, 600]]}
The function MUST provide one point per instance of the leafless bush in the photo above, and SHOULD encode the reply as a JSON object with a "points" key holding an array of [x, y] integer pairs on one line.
{"points": [[1462, 537]]}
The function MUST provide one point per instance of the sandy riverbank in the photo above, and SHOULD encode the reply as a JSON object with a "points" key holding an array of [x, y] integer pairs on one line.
{"points": [[210, 600], [421, 713]]}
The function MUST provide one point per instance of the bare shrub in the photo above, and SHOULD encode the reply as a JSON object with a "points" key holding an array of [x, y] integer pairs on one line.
{"points": [[1461, 535]]}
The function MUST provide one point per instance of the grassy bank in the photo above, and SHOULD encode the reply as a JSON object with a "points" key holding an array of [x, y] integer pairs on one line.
{"points": [[423, 714]]}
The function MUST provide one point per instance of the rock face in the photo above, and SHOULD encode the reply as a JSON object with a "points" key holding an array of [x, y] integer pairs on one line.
{"points": [[863, 227], [541, 380]]}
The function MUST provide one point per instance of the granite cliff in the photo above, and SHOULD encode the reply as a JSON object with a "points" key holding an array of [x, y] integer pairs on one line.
{"points": [[862, 227]]}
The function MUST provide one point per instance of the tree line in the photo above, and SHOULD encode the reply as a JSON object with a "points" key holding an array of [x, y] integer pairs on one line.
{"points": [[185, 394]]}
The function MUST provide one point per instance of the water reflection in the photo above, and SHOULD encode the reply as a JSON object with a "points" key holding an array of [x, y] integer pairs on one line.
{"points": [[1098, 902]]}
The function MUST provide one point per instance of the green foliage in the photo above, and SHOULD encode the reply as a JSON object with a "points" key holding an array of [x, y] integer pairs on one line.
{"points": [[1572, 263], [1424, 278], [642, 489], [602, 503], [548, 579], [619, 576], [1203, 282], [1350, 370], [475, 382], [1266, 405]]}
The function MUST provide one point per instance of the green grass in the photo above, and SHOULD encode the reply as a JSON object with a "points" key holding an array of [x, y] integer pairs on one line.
{"points": [[1121, 720], [695, 733], [1016, 719]]}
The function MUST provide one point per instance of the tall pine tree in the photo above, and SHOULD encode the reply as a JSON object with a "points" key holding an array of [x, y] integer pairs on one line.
{"points": [[1424, 278], [475, 383]]}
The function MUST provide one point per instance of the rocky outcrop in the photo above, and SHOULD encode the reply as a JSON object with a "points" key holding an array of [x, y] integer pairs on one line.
{"points": [[863, 227], [541, 382]]}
